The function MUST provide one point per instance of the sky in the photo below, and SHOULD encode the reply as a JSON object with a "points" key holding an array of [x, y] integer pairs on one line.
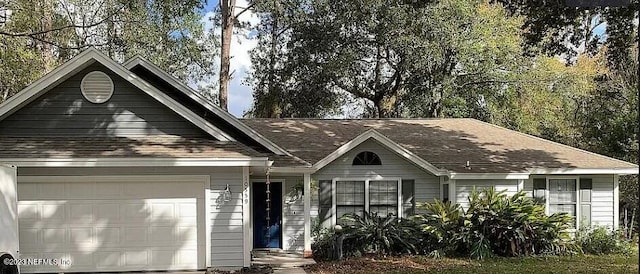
{"points": [[240, 94]]}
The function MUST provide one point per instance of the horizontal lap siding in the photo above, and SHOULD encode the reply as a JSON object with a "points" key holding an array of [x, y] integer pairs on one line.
{"points": [[602, 201], [226, 217], [63, 111], [465, 187], [427, 186]]}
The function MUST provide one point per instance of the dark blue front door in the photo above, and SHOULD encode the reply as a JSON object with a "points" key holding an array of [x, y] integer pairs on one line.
{"points": [[267, 215]]}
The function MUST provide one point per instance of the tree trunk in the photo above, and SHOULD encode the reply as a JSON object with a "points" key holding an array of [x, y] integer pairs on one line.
{"points": [[47, 24], [228, 19]]}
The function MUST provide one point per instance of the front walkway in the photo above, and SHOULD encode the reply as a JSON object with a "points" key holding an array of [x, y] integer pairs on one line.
{"points": [[281, 262]]}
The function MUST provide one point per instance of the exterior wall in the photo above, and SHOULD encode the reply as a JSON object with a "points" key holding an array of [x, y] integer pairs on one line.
{"points": [[602, 205], [63, 111], [465, 187], [225, 217], [292, 211], [427, 186]]}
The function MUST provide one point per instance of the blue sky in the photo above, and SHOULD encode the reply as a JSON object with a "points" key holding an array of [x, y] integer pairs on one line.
{"points": [[240, 95]]}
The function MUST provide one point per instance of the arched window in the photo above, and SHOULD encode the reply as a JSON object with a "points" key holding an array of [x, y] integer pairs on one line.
{"points": [[367, 158]]}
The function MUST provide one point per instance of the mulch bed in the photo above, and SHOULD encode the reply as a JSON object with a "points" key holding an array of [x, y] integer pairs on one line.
{"points": [[373, 264]]}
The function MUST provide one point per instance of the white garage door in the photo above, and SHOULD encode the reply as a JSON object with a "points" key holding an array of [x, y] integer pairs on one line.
{"points": [[112, 224]]}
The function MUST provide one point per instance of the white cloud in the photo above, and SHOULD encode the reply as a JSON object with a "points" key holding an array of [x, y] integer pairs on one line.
{"points": [[240, 95]]}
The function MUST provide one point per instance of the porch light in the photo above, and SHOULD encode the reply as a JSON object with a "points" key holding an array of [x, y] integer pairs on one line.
{"points": [[226, 194]]}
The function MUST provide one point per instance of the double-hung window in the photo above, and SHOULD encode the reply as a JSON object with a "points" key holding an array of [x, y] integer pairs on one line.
{"points": [[571, 195], [376, 196]]}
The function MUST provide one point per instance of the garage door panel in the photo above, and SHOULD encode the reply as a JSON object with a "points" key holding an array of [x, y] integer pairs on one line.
{"points": [[127, 229]]}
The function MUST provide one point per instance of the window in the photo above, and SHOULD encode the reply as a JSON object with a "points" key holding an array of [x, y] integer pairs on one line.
{"points": [[349, 197], [381, 196], [571, 195], [367, 158], [562, 196]]}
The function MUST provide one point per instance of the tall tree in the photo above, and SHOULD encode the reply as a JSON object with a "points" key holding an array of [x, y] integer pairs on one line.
{"points": [[169, 33], [400, 58], [228, 20]]}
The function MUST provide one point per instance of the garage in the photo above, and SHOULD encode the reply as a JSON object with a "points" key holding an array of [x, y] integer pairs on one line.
{"points": [[116, 223]]}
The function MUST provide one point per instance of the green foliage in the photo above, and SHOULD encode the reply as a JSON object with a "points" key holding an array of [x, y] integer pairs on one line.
{"points": [[494, 224], [323, 242], [439, 227], [39, 35], [382, 235], [601, 240]]}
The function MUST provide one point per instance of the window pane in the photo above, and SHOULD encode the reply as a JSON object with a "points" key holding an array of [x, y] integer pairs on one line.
{"points": [[562, 191], [349, 198], [383, 197]]}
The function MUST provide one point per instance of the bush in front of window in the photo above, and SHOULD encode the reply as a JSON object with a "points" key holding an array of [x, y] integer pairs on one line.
{"points": [[373, 234], [600, 240], [494, 225]]}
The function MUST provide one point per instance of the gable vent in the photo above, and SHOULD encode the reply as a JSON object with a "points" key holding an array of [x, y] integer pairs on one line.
{"points": [[97, 87]]}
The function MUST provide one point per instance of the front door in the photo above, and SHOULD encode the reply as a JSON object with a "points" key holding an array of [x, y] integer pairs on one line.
{"points": [[267, 215]]}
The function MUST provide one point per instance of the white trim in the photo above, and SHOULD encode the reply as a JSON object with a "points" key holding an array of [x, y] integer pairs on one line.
{"points": [[201, 211], [85, 59], [292, 170], [131, 162], [283, 187], [583, 171], [383, 140], [307, 212], [206, 103], [452, 192], [577, 204], [366, 180], [616, 202], [208, 222], [247, 238], [496, 176]]}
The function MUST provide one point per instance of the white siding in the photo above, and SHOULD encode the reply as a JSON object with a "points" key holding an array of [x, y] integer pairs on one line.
{"points": [[465, 187], [226, 218], [602, 200], [427, 186]]}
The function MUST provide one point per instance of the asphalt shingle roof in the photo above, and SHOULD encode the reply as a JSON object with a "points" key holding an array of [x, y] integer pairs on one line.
{"points": [[445, 143]]}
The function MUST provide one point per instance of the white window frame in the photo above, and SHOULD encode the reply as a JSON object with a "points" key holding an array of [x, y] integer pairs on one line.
{"points": [[546, 195], [366, 180]]}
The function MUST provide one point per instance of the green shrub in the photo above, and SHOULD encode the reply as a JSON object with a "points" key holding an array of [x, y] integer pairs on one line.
{"points": [[382, 235], [439, 228], [322, 246], [494, 224], [600, 240]]}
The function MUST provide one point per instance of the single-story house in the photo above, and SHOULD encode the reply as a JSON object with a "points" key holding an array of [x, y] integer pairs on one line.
{"points": [[121, 167]]}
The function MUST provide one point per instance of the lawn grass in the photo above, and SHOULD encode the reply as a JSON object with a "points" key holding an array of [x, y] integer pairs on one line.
{"points": [[546, 264]]}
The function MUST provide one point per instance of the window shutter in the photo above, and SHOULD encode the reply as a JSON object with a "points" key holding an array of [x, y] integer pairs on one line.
{"points": [[408, 198], [539, 187], [586, 185], [325, 199]]}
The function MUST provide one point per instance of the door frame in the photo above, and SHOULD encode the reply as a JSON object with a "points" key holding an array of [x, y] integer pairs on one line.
{"points": [[284, 219]]}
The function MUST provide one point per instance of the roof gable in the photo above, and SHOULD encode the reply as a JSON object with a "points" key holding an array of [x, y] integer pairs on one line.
{"points": [[227, 121], [372, 134], [84, 60]]}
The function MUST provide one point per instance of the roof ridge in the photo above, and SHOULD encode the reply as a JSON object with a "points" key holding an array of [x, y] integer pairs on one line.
{"points": [[549, 141]]}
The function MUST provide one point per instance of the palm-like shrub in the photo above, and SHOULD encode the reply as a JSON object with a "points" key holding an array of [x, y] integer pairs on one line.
{"points": [[439, 228], [382, 235], [494, 224], [512, 226]]}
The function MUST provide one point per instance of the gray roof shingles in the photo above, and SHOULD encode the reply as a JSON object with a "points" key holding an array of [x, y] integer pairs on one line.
{"points": [[445, 143]]}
